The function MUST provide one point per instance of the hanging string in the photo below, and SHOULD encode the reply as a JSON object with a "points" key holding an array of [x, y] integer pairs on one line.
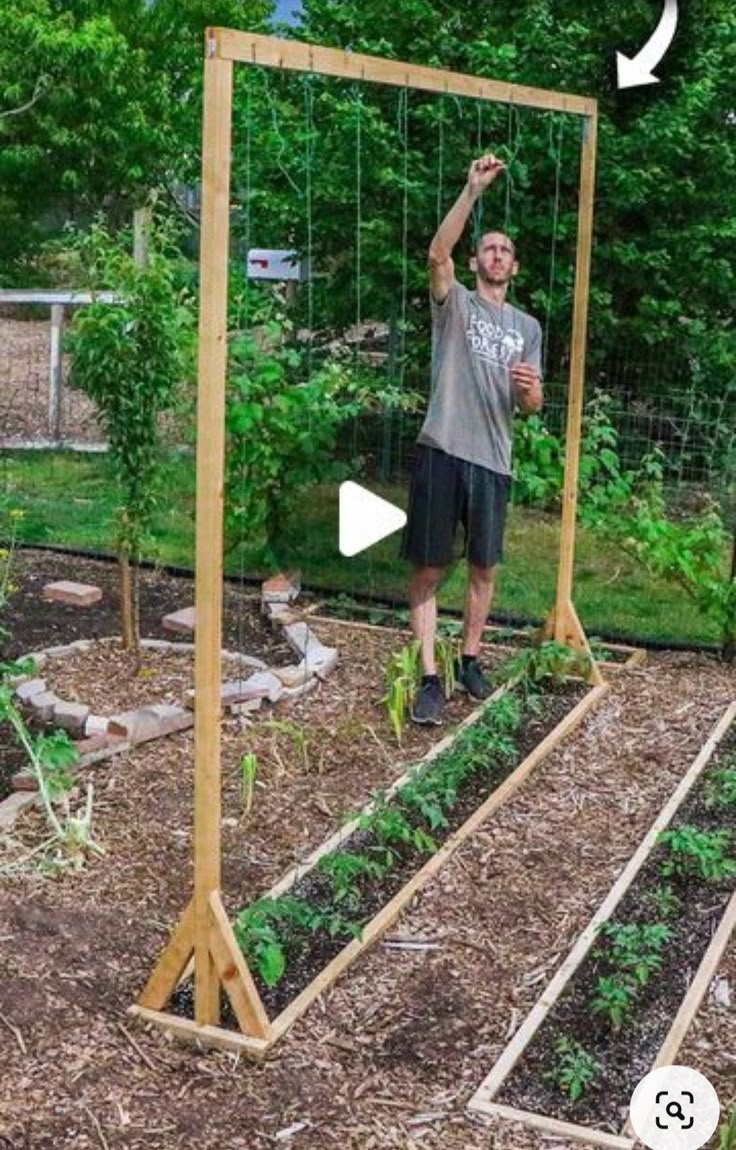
{"points": [[247, 298], [309, 142], [513, 145], [557, 156], [404, 137], [440, 160], [478, 206], [358, 204], [284, 146]]}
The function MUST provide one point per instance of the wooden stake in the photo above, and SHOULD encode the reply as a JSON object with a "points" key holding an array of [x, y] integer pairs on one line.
{"points": [[564, 625], [142, 223], [218, 80]]}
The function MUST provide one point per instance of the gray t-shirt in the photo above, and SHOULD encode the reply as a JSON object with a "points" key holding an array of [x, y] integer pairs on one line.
{"points": [[474, 345]]}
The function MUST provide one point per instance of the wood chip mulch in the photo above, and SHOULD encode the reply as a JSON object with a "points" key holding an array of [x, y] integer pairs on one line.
{"points": [[111, 680], [390, 1056]]}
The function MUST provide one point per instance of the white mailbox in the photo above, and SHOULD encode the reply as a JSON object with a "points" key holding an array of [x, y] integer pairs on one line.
{"points": [[276, 264]]}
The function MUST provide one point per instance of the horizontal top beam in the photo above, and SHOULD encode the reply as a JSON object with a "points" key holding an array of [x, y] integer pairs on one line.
{"points": [[296, 56], [37, 295]]}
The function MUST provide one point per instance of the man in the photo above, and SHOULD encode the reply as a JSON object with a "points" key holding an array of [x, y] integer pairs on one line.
{"points": [[485, 363]]}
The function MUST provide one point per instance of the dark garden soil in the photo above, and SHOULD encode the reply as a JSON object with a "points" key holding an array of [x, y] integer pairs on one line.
{"points": [[35, 623], [627, 1055], [389, 1057]]}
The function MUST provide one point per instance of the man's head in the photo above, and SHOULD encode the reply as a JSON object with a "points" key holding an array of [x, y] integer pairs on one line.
{"points": [[495, 260]]}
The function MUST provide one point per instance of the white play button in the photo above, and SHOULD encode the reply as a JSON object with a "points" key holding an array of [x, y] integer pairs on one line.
{"points": [[365, 518]]}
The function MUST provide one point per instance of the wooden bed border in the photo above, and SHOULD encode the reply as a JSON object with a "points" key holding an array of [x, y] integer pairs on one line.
{"points": [[636, 655], [482, 1101]]}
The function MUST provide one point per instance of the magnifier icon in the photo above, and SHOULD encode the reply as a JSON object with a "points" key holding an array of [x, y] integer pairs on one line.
{"points": [[674, 1110]]}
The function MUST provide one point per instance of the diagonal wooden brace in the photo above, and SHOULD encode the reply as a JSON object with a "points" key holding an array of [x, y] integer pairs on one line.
{"points": [[564, 626], [234, 974], [229, 962]]}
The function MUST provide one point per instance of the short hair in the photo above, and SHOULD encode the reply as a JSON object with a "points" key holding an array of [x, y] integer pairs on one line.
{"points": [[480, 236]]}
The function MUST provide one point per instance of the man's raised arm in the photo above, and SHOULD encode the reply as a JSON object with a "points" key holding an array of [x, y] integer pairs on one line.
{"points": [[441, 266]]}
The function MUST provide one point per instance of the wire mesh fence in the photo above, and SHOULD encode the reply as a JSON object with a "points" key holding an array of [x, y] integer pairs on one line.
{"points": [[38, 408]]}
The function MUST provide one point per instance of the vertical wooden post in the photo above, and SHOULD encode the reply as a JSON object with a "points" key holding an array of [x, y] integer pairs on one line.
{"points": [[214, 242], [56, 381], [564, 624], [142, 220]]}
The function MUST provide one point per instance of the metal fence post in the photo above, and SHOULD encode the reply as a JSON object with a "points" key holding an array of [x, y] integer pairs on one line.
{"points": [[56, 381]]}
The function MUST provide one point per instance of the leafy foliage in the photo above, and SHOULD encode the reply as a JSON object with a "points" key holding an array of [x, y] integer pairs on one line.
{"points": [[636, 948], [268, 929], [574, 1068], [727, 1131], [631, 953], [403, 674], [665, 901], [548, 660], [282, 424], [720, 791], [615, 998], [248, 773], [106, 106], [692, 552], [539, 463], [131, 358], [50, 759], [691, 852]]}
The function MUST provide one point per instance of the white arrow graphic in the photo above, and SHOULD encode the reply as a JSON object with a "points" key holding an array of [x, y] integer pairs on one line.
{"points": [[632, 73]]}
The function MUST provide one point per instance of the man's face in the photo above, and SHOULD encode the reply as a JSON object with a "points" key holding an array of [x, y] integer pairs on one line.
{"points": [[495, 259]]}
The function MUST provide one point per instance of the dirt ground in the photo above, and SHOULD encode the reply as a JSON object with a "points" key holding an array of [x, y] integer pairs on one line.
{"points": [[390, 1056]]}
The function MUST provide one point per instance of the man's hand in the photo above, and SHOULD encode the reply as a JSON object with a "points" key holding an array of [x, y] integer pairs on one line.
{"points": [[483, 172], [527, 386]]}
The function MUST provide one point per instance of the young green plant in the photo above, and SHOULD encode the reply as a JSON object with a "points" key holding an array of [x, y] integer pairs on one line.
{"points": [[694, 853], [574, 1068], [248, 772]]}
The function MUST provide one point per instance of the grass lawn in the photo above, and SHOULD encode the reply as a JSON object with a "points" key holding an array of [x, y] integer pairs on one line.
{"points": [[69, 500]]}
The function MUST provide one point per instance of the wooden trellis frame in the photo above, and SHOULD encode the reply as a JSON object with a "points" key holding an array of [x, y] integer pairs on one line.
{"points": [[483, 1101], [204, 933]]}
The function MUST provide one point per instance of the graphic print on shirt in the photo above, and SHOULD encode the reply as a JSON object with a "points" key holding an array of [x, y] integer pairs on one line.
{"points": [[493, 343]]}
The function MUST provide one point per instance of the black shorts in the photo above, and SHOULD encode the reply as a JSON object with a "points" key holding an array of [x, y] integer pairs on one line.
{"points": [[446, 491]]}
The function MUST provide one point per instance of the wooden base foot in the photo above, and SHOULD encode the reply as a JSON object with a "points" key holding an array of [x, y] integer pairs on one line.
{"points": [[229, 964], [563, 625]]}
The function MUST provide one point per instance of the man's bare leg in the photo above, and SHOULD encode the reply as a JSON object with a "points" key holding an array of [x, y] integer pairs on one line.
{"points": [[423, 586], [478, 597]]}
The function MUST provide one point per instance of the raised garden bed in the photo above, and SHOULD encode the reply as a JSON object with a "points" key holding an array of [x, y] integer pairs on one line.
{"points": [[606, 1019], [307, 929], [351, 612]]}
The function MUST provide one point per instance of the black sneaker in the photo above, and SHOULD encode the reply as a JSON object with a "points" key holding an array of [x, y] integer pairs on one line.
{"points": [[469, 677], [429, 702]]}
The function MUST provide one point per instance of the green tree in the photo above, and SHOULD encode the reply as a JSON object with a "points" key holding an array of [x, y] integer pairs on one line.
{"points": [[131, 358], [664, 273], [110, 93]]}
